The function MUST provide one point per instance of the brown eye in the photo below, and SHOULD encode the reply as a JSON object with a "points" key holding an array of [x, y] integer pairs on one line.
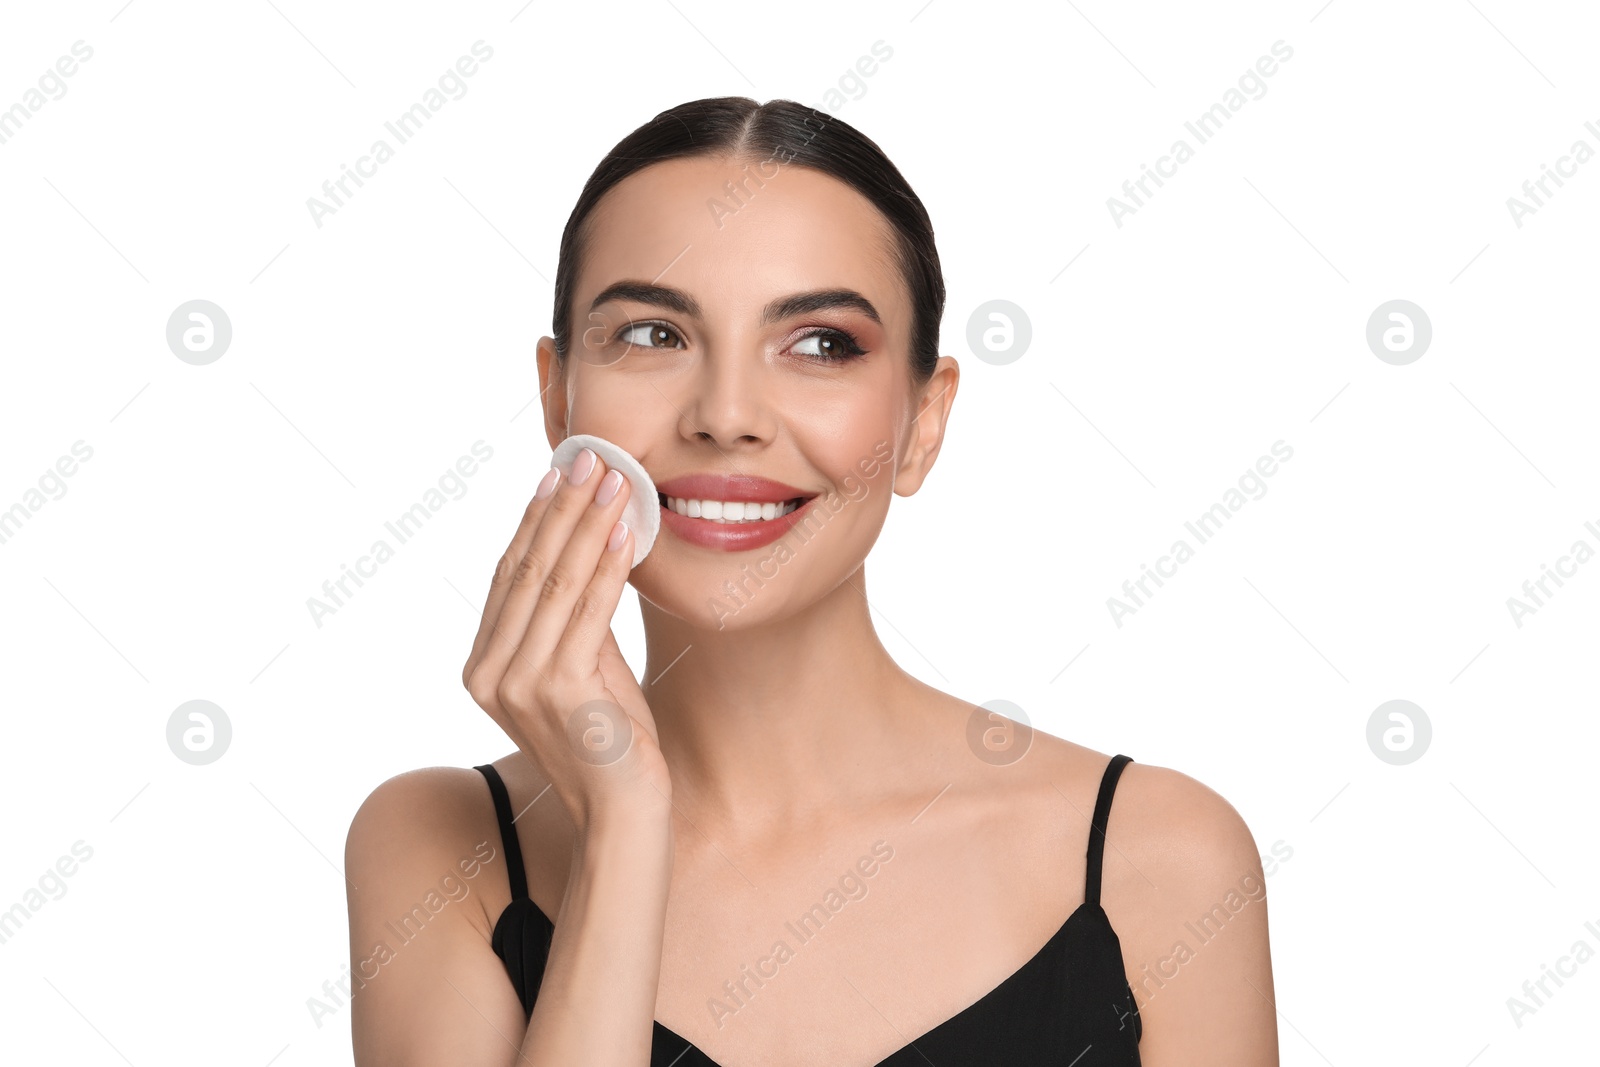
{"points": [[650, 335], [833, 346]]}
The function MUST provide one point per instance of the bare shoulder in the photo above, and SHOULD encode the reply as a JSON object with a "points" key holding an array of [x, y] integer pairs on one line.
{"points": [[424, 871], [1179, 826], [1184, 890], [422, 825], [1174, 845], [1161, 821]]}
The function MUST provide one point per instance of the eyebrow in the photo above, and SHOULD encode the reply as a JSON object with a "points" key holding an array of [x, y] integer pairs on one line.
{"points": [[783, 307]]}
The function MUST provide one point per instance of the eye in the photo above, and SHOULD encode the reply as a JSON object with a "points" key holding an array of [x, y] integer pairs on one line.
{"points": [[834, 346], [649, 335]]}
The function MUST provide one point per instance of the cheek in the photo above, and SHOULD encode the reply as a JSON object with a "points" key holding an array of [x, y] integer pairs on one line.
{"points": [[855, 446], [868, 470], [841, 415], [615, 399]]}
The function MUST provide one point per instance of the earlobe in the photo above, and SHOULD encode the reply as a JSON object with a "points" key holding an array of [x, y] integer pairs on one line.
{"points": [[914, 466]]}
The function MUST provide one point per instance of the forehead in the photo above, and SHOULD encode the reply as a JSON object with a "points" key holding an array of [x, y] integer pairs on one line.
{"points": [[735, 233]]}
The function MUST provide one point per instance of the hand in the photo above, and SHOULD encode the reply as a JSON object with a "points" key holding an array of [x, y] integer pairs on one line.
{"points": [[546, 667]]}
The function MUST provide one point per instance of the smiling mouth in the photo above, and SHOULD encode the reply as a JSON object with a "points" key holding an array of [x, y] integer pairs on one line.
{"points": [[730, 512]]}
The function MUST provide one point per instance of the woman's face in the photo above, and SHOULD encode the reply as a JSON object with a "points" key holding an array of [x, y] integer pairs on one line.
{"points": [[700, 371]]}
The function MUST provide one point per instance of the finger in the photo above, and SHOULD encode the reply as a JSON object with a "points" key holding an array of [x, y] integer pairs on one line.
{"points": [[506, 565], [535, 571], [571, 576], [589, 622]]}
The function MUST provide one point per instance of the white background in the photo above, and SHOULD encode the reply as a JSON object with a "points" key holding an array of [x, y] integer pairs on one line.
{"points": [[1227, 313]]}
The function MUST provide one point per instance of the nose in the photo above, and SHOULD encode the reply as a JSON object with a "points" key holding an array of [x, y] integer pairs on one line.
{"points": [[728, 400]]}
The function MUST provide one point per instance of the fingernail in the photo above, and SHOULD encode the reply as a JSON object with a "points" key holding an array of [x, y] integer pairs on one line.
{"points": [[608, 488], [548, 485], [619, 534], [583, 466]]}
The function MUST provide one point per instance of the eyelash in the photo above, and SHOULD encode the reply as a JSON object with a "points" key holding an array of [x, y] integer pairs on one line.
{"points": [[852, 347]]}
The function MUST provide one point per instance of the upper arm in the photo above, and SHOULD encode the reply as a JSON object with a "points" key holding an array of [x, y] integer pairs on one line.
{"points": [[1185, 891], [427, 986]]}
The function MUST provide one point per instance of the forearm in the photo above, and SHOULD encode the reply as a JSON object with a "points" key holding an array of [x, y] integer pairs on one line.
{"points": [[596, 1003]]}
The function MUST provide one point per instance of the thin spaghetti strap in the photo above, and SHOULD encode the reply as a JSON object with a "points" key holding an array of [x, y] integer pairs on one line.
{"points": [[1097, 828], [508, 831]]}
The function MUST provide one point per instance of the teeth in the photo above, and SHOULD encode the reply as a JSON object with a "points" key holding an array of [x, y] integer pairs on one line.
{"points": [[729, 511]]}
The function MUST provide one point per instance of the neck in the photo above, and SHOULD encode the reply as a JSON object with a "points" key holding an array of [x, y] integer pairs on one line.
{"points": [[765, 724]]}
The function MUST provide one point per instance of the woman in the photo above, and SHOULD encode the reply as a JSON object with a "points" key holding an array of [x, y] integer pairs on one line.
{"points": [[779, 848]]}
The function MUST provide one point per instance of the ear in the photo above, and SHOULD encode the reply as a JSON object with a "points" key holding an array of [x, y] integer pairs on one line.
{"points": [[552, 393], [926, 432]]}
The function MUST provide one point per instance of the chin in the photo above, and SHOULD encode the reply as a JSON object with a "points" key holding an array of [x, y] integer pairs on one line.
{"points": [[704, 601]]}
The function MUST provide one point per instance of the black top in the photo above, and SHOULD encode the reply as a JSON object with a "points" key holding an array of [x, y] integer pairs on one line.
{"points": [[1070, 1005]]}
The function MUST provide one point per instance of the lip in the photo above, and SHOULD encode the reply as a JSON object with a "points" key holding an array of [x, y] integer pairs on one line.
{"points": [[731, 487], [732, 536]]}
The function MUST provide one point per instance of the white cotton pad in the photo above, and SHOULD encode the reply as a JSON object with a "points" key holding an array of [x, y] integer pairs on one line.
{"points": [[643, 511]]}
